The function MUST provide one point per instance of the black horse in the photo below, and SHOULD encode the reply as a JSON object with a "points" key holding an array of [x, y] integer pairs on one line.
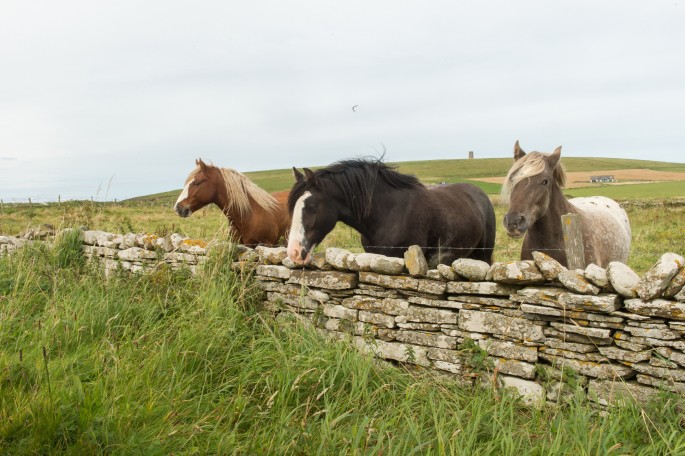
{"points": [[391, 211]]}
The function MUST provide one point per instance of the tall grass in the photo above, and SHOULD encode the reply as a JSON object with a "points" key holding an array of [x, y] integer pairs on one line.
{"points": [[168, 362]]}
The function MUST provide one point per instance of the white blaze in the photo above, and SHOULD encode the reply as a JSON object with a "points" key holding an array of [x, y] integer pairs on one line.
{"points": [[296, 236], [184, 193]]}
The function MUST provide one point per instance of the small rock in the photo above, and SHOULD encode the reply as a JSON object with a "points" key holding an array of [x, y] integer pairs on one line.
{"points": [[657, 279], [575, 281], [271, 255], [474, 270], [415, 261], [623, 279], [337, 257], [597, 275], [677, 283], [517, 272], [549, 267], [447, 272]]}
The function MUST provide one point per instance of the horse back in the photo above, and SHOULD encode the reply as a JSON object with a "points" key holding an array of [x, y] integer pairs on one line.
{"points": [[606, 229]]}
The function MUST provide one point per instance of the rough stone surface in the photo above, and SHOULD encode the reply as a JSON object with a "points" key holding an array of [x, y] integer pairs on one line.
{"points": [[271, 255], [517, 272], [656, 308], [623, 279], [473, 270], [425, 338], [597, 275], [338, 258], [531, 392], [333, 280], [447, 272], [339, 312], [480, 288], [610, 392], [488, 322], [510, 350], [386, 281], [415, 261], [625, 355], [676, 284], [589, 368], [548, 266], [576, 282], [271, 270], [657, 279]]}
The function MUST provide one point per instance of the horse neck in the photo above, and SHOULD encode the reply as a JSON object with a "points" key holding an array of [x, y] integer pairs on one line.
{"points": [[384, 200], [547, 231], [234, 216]]}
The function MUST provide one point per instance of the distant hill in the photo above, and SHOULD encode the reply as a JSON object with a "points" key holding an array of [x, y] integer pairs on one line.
{"points": [[465, 170]]}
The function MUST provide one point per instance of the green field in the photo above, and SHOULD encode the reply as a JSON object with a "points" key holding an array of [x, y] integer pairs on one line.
{"points": [[169, 363], [434, 171]]}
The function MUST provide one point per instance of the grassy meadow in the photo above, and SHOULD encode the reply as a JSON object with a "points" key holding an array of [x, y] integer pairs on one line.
{"points": [[656, 228], [170, 363]]}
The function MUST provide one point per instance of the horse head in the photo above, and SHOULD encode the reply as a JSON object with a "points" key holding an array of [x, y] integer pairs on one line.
{"points": [[313, 213], [528, 187], [200, 189]]}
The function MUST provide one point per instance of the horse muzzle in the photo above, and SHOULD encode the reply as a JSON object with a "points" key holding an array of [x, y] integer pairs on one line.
{"points": [[183, 211], [516, 224], [299, 254]]}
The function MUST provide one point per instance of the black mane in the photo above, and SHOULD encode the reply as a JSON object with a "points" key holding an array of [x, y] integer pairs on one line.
{"points": [[356, 180]]}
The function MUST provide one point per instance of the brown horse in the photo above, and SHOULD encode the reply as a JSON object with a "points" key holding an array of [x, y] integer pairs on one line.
{"points": [[533, 188], [255, 216]]}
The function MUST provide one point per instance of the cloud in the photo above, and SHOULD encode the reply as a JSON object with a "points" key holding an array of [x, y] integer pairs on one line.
{"points": [[7, 158]]}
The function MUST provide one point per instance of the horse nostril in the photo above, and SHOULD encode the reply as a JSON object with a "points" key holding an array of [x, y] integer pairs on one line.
{"points": [[520, 221], [303, 254]]}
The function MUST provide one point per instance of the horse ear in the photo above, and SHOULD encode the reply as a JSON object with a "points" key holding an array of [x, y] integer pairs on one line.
{"points": [[201, 164], [309, 176], [298, 175], [554, 157], [518, 152]]}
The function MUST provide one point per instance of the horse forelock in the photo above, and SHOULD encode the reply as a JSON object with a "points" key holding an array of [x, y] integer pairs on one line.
{"points": [[530, 165]]}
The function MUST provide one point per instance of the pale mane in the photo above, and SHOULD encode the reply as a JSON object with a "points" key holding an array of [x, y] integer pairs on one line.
{"points": [[239, 190], [530, 165]]}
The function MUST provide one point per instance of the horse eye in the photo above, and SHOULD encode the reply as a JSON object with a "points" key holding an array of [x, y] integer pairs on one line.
{"points": [[545, 182]]}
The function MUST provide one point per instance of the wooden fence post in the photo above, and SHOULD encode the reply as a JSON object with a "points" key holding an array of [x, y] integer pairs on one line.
{"points": [[573, 241]]}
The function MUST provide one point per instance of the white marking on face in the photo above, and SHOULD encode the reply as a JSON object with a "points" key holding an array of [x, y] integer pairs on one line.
{"points": [[296, 237], [184, 193]]}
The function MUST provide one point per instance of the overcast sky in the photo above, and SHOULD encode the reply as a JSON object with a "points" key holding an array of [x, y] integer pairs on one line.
{"points": [[114, 99]]}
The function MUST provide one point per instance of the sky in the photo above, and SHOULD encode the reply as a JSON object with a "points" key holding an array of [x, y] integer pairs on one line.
{"points": [[115, 99]]}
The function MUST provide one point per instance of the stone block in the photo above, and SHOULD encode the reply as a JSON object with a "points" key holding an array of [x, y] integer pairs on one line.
{"points": [[473, 270], [548, 266], [480, 288], [278, 272], [332, 280], [415, 261], [517, 272], [577, 283], [379, 319], [339, 312], [385, 281], [657, 279], [623, 279], [488, 322], [428, 339], [589, 368], [671, 310], [509, 350], [611, 392]]}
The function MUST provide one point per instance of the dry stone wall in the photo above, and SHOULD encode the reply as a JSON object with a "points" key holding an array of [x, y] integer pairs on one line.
{"points": [[531, 325]]}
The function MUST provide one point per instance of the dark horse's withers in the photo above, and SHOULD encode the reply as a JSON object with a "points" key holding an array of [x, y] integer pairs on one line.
{"points": [[391, 211]]}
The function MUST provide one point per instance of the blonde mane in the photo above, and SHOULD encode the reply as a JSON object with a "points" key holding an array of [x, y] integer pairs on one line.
{"points": [[239, 190], [530, 165]]}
